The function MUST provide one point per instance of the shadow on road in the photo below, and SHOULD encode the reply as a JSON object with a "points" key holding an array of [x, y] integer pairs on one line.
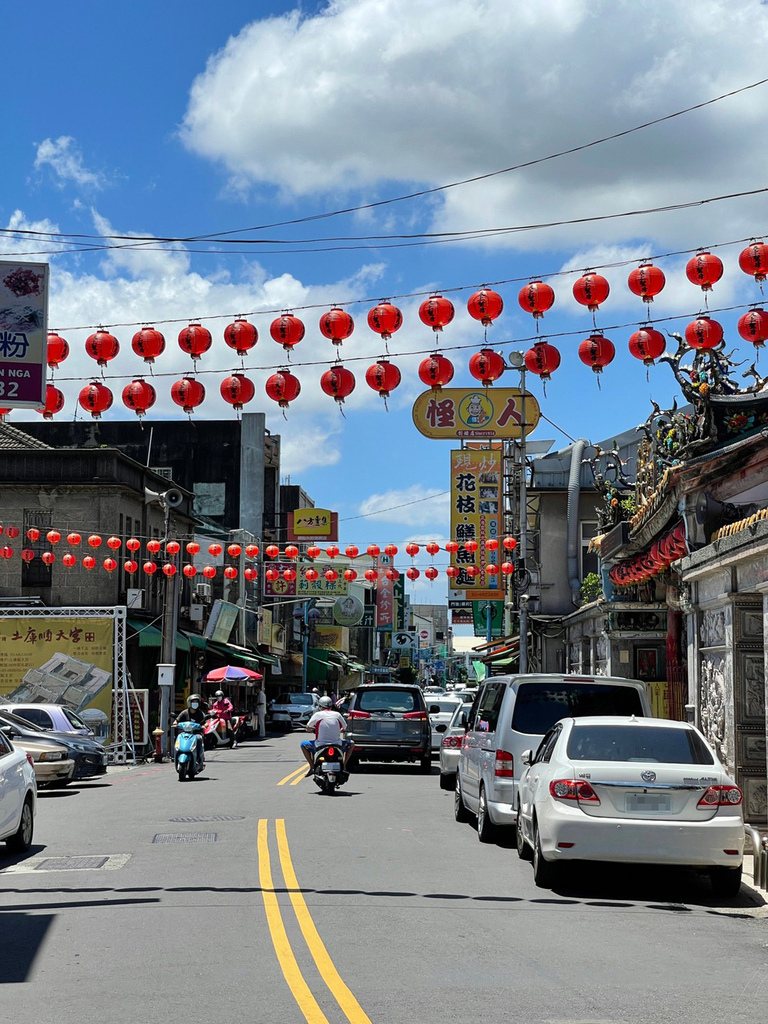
{"points": [[21, 937]]}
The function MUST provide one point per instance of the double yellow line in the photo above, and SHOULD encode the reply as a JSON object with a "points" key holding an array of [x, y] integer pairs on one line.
{"points": [[295, 777], [285, 954]]}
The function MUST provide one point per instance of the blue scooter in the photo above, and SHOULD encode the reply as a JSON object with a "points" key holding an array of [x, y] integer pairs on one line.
{"points": [[188, 750]]}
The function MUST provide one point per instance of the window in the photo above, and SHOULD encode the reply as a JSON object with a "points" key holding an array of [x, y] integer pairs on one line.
{"points": [[547, 745], [539, 705], [400, 701], [36, 716], [489, 707], [637, 743], [74, 720], [36, 573], [5, 746]]}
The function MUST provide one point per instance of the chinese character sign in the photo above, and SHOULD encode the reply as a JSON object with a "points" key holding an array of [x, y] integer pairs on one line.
{"points": [[385, 595], [315, 524], [475, 413], [58, 661], [23, 331], [476, 515]]}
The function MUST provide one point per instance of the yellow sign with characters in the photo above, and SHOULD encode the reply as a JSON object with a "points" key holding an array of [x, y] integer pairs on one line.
{"points": [[467, 413]]}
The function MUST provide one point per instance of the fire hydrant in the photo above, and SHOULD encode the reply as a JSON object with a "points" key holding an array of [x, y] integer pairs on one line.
{"points": [[158, 733]]}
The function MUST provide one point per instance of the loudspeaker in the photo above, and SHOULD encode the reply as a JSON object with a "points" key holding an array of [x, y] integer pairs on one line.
{"points": [[712, 514], [172, 497]]}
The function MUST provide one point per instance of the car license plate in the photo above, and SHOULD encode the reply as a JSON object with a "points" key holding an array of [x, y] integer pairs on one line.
{"points": [[647, 802], [331, 767], [388, 728]]}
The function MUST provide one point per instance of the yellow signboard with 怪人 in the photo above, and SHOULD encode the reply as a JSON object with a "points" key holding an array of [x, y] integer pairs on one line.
{"points": [[467, 413]]}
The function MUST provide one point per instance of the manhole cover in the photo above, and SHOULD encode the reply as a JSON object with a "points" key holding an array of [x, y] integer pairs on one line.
{"points": [[210, 817], [70, 863], [185, 837]]}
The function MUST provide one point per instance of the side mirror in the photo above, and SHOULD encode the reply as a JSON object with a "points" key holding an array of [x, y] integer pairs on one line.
{"points": [[441, 728], [527, 757], [434, 709], [7, 730]]}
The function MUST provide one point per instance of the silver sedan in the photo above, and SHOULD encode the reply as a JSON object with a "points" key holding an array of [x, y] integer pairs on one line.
{"points": [[450, 747]]}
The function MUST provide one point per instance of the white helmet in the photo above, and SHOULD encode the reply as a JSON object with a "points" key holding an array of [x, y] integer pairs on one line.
{"points": [[325, 702]]}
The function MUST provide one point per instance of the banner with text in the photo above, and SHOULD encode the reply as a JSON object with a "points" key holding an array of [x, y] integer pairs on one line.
{"points": [[476, 514]]}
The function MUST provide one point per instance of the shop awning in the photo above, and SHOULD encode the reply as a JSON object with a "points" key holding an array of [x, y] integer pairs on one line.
{"points": [[267, 659], [151, 636], [233, 653], [196, 640]]}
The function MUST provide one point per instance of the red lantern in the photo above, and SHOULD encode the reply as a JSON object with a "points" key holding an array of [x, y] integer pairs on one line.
{"points": [[33, 533], [74, 539], [754, 260], [452, 571], [313, 551], [486, 366], [507, 568], [169, 569], [491, 569], [391, 550], [109, 564], [431, 573], [113, 543], [436, 312], [543, 359], [237, 390], [27, 554], [332, 551], [139, 396], [195, 340], [54, 402], [7, 552], [291, 551], [412, 573], [350, 575], [591, 290], [471, 546], [351, 551], [485, 306], [373, 550], [536, 298], [383, 377], [597, 352], [287, 331], [148, 343], [432, 548], [289, 574], [215, 550], [392, 574], [451, 546], [647, 344], [331, 575], [436, 371], [173, 547], [53, 535], [371, 575], [188, 393], [189, 571], [283, 388], [69, 560], [250, 574], [89, 562], [251, 550], [491, 544], [271, 550], [153, 546], [57, 350], [129, 566], [95, 398], [191, 547], [133, 544], [14, 531], [272, 574], [230, 572], [385, 319], [311, 575], [509, 543], [646, 281], [704, 333], [704, 269], [336, 325], [241, 336], [209, 571], [412, 549], [48, 557], [753, 326], [338, 382], [102, 346]]}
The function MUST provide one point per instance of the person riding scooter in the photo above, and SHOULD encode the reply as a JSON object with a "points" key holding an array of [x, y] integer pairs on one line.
{"points": [[222, 710], [194, 713], [329, 727]]}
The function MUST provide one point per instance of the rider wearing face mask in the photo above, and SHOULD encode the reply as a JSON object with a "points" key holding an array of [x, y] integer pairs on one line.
{"points": [[194, 713]]}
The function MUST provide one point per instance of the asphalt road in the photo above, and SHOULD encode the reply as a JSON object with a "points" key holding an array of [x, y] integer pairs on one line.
{"points": [[242, 897]]}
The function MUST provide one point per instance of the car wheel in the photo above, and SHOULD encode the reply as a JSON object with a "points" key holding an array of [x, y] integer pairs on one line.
{"points": [[524, 852], [726, 881], [21, 840], [486, 830], [460, 812], [447, 780], [544, 872]]}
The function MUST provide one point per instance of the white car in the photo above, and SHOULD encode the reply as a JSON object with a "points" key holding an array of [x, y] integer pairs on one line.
{"points": [[18, 796], [630, 790], [450, 746], [440, 710]]}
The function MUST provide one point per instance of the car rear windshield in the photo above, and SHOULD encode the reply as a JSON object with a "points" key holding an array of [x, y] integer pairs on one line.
{"points": [[442, 706], [295, 698], [637, 743], [539, 705], [399, 701]]}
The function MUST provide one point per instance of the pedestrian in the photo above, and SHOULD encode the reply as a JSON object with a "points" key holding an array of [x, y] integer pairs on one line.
{"points": [[261, 710]]}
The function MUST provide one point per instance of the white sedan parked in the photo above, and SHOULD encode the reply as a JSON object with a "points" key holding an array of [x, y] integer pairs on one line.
{"points": [[440, 710], [630, 790], [18, 794]]}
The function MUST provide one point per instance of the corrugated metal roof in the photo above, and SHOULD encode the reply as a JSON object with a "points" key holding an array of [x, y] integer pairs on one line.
{"points": [[12, 437]]}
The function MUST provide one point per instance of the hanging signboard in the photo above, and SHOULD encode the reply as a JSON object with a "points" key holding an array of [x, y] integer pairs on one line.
{"points": [[480, 617], [312, 524], [385, 595], [476, 515], [23, 334], [466, 413]]}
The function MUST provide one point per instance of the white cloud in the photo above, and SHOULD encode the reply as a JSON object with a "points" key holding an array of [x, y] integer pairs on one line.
{"points": [[409, 507], [387, 93], [64, 158]]}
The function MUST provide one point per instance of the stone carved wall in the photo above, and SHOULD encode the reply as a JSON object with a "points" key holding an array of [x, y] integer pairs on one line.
{"points": [[712, 627], [716, 722]]}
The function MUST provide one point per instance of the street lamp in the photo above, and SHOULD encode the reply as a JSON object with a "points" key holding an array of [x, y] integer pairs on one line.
{"points": [[306, 615]]}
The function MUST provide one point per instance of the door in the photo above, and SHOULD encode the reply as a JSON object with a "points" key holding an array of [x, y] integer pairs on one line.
{"points": [[532, 779], [11, 786], [482, 740]]}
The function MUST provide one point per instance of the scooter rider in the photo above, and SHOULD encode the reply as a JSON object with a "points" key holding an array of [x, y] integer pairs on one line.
{"points": [[194, 713], [222, 708], [329, 727]]}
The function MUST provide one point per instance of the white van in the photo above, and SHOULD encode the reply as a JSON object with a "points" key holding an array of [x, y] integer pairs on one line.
{"points": [[511, 714]]}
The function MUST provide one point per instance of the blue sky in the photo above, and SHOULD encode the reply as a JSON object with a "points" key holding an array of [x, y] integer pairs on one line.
{"points": [[178, 119]]}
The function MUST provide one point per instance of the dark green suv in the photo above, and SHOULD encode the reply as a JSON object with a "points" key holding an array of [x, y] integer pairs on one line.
{"points": [[389, 722]]}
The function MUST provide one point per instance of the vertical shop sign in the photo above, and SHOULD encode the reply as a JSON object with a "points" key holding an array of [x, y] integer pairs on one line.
{"points": [[476, 515]]}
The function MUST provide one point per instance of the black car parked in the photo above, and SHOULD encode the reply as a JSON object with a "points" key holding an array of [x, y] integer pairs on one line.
{"points": [[89, 756], [389, 722]]}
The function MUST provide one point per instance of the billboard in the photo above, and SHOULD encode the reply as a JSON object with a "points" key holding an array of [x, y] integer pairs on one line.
{"points": [[476, 515], [23, 333], [466, 413], [312, 524], [57, 660]]}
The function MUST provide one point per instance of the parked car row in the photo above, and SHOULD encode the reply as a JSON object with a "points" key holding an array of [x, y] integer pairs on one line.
{"points": [[59, 756], [578, 768]]}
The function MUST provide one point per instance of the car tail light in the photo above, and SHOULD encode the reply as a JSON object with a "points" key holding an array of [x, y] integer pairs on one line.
{"points": [[573, 789], [358, 714], [721, 796], [505, 765], [416, 716], [451, 741], [31, 759]]}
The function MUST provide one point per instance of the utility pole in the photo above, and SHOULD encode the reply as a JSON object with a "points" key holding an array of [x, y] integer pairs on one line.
{"points": [[170, 620]]}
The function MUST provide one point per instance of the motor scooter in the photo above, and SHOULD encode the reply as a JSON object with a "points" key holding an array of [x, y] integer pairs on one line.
{"points": [[188, 750], [216, 734], [241, 726], [329, 768]]}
